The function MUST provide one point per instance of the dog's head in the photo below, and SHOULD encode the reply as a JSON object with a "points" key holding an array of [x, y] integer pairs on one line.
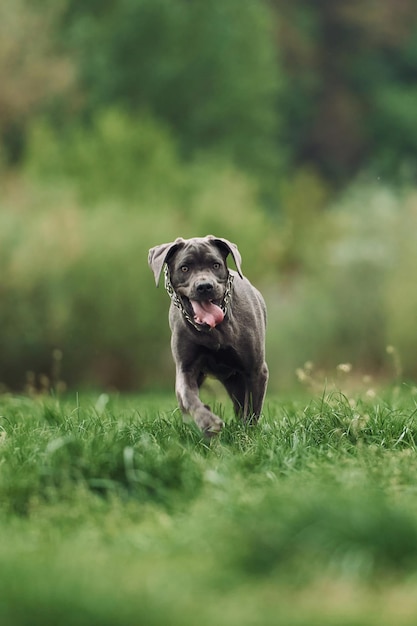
{"points": [[198, 273]]}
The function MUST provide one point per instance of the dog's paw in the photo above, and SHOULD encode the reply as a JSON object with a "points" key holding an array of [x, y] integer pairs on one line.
{"points": [[209, 423]]}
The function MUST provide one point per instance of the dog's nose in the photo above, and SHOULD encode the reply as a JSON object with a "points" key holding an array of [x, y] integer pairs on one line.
{"points": [[204, 288]]}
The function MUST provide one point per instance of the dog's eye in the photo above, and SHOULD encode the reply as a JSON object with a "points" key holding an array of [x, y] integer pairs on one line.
{"points": [[216, 266], [184, 268]]}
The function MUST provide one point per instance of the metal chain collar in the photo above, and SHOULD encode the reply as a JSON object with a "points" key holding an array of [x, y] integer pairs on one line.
{"points": [[176, 300]]}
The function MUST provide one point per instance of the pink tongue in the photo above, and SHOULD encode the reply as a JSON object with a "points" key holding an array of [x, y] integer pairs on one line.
{"points": [[207, 313]]}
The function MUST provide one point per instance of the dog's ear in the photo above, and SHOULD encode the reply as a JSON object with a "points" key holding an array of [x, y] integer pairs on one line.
{"points": [[160, 254], [230, 248]]}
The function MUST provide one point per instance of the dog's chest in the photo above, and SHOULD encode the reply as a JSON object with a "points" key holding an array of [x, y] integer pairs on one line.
{"points": [[222, 363]]}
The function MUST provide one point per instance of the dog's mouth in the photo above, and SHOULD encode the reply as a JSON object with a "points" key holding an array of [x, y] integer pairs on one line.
{"points": [[207, 312]]}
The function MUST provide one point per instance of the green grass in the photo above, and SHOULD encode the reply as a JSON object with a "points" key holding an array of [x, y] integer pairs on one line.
{"points": [[113, 511]]}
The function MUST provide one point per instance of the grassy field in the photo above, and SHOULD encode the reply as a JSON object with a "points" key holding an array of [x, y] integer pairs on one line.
{"points": [[115, 512]]}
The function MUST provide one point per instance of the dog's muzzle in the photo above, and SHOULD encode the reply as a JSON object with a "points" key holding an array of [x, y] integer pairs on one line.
{"points": [[207, 314]]}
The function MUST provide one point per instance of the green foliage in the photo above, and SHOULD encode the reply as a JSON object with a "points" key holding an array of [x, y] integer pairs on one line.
{"points": [[267, 84], [350, 296], [34, 71], [395, 137], [76, 277], [79, 303], [106, 501], [118, 157], [270, 86], [208, 69]]}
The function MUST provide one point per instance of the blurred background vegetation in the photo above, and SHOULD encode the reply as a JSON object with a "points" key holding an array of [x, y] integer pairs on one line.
{"points": [[287, 127]]}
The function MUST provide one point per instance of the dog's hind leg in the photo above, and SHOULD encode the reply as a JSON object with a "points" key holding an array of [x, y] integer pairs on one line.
{"points": [[247, 395], [257, 394], [236, 387]]}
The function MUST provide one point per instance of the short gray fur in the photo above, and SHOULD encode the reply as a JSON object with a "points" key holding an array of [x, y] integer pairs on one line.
{"points": [[234, 350]]}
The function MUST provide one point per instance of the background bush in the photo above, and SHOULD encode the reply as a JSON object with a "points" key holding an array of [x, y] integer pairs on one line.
{"points": [[76, 278], [75, 255]]}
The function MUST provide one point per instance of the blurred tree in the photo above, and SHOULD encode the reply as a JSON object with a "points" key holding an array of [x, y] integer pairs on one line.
{"points": [[351, 69], [32, 71], [208, 68], [267, 83]]}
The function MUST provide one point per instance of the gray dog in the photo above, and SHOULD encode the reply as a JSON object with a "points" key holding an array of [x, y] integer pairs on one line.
{"points": [[217, 319]]}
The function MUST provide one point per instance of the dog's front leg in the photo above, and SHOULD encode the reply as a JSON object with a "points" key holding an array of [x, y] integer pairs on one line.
{"points": [[186, 388]]}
